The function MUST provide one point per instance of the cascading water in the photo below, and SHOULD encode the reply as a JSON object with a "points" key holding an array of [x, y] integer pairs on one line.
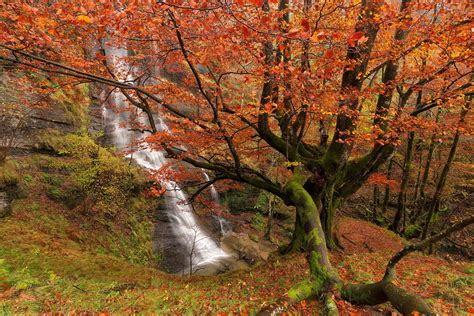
{"points": [[214, 194], [201, 250], [224, 226]]}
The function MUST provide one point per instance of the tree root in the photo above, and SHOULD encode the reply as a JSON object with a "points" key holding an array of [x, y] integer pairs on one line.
{"points": [[296, 294], [405, 302], [364, 294], [357, 294], [385, 291], [330, 307]]}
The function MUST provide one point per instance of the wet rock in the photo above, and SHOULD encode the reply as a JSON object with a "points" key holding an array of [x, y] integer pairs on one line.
{"points": [[168, 248], [217, 225], [248, 250]]}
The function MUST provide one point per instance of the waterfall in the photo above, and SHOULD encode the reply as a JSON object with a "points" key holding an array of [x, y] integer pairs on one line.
{"points": [[214, 194], [224, 225], [201, 249]]}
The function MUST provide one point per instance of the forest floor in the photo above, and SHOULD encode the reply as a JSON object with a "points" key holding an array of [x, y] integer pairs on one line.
{"points": [[45, 273], [52, 260]]}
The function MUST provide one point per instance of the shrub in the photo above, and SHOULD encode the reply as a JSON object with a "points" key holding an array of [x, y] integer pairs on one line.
{"points": [[27, 178], [51, 179], [9, 173], [257, 221], [102, 180], [55, 194], [412, 231]]}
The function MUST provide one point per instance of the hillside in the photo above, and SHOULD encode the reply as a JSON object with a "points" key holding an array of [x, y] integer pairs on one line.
{"points": [[55, 260]]}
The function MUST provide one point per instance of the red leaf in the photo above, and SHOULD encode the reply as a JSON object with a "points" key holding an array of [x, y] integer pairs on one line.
{"points": [[258, 3], [293, 31], [305, 25], [329, 54], [354, 38]]}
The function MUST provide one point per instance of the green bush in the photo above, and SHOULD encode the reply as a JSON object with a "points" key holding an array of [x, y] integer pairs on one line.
{"points": [[9, 174], [51, 179], [102, 180], [257, 221], [27, 178], [262, 202], [237, 201], [55, 194], [412, 231]]}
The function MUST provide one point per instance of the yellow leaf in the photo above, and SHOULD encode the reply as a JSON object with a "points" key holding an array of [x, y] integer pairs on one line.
{"points": [[84, 18]]}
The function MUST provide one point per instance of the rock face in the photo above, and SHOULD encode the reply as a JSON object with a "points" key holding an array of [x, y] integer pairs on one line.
{"points": [[4, 204], [217, 225], [169, 251], [247, 249], [20, 125], [7, 194]]}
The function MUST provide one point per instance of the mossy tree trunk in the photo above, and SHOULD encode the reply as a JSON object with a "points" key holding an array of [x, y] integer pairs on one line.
{"points": [[329, 205], [324, 281], [321, 271], [297, 239]]}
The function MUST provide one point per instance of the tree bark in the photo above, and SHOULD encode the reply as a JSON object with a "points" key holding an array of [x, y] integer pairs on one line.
{"points": [[297, 239], [386, 197], [418, 178], [401, 205], [426, 173], [375, 203], [436, 200], [269, 228]]}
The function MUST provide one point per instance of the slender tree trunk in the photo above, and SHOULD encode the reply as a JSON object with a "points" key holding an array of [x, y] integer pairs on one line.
{"points": [[375, 203], [401, 205], [439, 157], [418, 178], [424, 179], [268, 231], [426, 173], [435, 202], [386, 197], [327, 214]]}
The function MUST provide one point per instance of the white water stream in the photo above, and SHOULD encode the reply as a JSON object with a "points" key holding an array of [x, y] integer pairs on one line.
{"points": [[201, 248]]}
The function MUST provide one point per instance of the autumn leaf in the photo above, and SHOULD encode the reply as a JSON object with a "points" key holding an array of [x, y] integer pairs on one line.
{"points": [[355, 38], [258, 3], [318, 36], [305, 25], [84, 18], [329, 54], [293, 31]]}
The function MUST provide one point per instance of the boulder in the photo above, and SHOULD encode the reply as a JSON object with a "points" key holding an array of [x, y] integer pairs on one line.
{"points": [[248, 250]]}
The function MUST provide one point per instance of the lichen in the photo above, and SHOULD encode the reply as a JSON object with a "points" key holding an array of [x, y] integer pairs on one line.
{"points": [[315, 236], [303, 290]]}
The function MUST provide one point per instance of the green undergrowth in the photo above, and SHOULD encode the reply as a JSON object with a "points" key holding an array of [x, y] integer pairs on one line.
{"points": [[9, 173]]}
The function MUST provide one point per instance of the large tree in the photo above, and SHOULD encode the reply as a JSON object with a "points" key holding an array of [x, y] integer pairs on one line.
{"points": [[329, 86]]}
